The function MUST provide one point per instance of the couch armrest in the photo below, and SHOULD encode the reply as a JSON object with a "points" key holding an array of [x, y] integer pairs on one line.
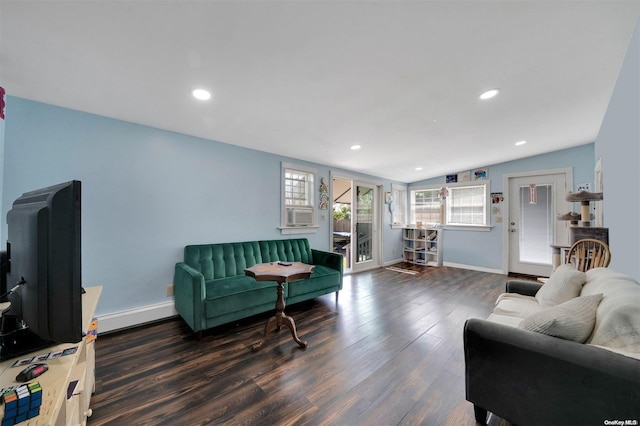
{"points": [[526, 288], [331, 260], [189, 293], [532, 378]]}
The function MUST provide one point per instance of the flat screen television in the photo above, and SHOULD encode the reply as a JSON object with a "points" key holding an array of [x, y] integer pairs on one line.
{"points": [[43, 271]]}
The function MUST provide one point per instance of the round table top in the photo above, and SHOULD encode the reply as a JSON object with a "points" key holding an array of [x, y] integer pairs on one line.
{"points": [[280, 271]]}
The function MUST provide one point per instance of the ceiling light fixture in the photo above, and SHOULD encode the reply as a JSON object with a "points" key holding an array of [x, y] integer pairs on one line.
{"points": [[520, 143], [417, 169], [201, 94], [355, 147], [489, 94]]}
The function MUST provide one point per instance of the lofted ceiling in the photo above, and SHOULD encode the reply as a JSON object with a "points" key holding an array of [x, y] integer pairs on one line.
{"points": [[308, 79]]}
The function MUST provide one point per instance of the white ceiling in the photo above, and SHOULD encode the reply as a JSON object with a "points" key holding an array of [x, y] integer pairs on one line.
{"points": [[308, 79]]}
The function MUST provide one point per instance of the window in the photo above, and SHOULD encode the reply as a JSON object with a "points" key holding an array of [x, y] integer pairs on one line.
{"points": [[399, 210], [298, 203], [425, 205], [297, 188], [465, 204]]}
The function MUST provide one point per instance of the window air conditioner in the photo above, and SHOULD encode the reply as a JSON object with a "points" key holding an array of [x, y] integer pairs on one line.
{"points": [[299, 216]]}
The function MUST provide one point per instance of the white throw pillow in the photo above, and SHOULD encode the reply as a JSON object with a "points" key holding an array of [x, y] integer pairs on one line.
{"points": [[572, 320], [564, 284]]}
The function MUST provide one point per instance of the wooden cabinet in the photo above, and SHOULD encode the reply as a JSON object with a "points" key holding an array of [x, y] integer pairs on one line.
{"points": [[422, 246], [70, 381]]}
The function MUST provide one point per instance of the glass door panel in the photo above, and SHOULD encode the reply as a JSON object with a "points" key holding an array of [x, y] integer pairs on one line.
{"points": [[364, 223], [365, 244], [536, 226]]}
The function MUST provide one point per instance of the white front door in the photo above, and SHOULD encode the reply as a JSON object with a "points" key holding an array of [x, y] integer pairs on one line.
{"points": [[365, 223], [534, 203]]}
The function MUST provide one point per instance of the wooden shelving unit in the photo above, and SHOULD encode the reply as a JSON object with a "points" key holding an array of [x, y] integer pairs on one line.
{"points": [[70, 381], [422, 246]]}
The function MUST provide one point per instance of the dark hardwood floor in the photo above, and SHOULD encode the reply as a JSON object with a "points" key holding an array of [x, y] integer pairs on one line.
{"points": [[389, 353]]}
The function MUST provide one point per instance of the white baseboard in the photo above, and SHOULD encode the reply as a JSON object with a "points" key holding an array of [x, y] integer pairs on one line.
{"points": [[137, 316], [473, 268]]}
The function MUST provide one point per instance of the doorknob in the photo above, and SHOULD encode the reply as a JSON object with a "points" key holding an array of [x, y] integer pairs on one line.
{"points": [[513, 223]]}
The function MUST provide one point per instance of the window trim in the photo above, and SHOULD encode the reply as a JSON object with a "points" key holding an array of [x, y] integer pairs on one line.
{"points": [[448, 206], [410, 197], [298, 229], [404, 203]]}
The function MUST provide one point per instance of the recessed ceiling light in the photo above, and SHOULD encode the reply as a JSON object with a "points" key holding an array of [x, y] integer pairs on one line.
{"points": [[201, 94], [519, 143], [356, 147], [489, 94], [417, 169]]}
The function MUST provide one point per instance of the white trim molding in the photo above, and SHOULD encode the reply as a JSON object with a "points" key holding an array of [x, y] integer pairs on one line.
{"points": [[135, 317]]}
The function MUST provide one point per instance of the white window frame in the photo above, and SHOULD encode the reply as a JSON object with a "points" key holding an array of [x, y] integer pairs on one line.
{"points": [[484, 198], [412, 217], [451, 187], [399, 205], [310, 192]]}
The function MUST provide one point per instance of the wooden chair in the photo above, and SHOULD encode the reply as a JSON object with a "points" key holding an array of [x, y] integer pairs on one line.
{"points": [[588, 254]]}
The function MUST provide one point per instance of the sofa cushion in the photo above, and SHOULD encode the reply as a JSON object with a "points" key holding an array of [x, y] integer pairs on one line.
{"points": [[237, 293], [222, 260], [322, 277], [509, 320], [572, 320], [516, 305], [234, 285], [564, 284], [291, 250]]}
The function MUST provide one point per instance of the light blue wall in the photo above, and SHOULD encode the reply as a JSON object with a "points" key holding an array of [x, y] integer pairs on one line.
{"points": [[146, 194], [484, 249], [618, 146]]}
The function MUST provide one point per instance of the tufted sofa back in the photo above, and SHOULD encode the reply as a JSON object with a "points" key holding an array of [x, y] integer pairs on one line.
{"points": [[224, 260], [293, 250]]}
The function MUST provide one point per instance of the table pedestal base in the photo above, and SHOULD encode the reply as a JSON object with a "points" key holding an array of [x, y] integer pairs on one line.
{"points": [[277, 321]]}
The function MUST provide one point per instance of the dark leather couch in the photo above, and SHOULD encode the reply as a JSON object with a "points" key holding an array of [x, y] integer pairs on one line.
{"points": [[530, 378]]}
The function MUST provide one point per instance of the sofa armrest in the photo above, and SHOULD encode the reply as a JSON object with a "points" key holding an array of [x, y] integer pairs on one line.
{"points": [[189, 293], [526, 288], [532, 378], [328, 259]]}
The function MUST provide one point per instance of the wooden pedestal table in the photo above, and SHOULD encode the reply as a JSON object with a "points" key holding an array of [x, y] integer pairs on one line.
{"points": [[281, 273]]}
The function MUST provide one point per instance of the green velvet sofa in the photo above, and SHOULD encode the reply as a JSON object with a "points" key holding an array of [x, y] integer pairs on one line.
{"points": [[211, 288]]}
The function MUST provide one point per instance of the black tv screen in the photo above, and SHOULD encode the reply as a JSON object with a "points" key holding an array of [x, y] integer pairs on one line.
{"points": [[44, 269]]}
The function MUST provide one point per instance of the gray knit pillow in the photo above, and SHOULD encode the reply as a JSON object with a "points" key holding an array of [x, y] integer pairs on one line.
{"points": [[564, 284], [572, 320]]}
